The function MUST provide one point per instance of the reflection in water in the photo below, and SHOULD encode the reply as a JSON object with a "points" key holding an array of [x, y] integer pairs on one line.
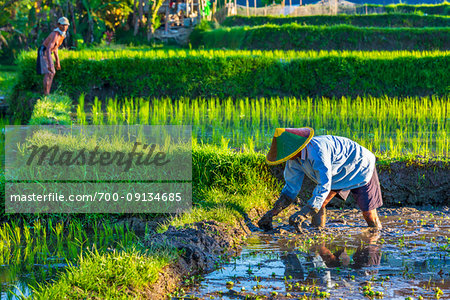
{"points": [[402, 258], [320, 259]]}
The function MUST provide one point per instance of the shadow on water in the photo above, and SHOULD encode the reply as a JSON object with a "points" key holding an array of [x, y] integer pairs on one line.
{"points": [[410, 257]]}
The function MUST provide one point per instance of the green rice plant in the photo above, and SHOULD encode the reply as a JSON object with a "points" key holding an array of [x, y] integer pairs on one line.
{"points": [[430, 9], [52, 109], [224, 188], [118, 274], [72, 249], [5, 244], [27, 235], [71, 229], [81, 115], [108, 230], [96, 232], [386, 125], [325, 37], [371, 20], [144, 111], [213, 73], [58, 230], [37, 226], [97, 113], [31, 250], [124, 235]]}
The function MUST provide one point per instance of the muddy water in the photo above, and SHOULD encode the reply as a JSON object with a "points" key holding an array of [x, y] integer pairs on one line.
{"points": [[409, 257]]}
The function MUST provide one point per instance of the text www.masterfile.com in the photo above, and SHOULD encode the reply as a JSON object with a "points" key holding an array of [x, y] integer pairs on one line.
{"points": [[97, 196]]}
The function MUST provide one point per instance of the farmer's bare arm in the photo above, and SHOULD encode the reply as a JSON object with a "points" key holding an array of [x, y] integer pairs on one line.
{"points": [[51, 45], [55, 53]]}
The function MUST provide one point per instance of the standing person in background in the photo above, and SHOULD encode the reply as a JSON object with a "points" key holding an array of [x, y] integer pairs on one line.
{"points": [[50, 45]]}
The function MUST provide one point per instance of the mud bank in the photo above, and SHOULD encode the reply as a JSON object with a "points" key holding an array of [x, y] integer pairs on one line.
{"points": [[202, 247], [402, 183]]}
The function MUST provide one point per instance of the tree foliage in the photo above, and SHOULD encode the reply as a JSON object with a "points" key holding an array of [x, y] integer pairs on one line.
{"points": [[25, 24]]}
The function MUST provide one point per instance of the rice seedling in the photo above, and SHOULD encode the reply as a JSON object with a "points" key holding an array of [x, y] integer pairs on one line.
{"points": [[97, 113], [373, 20], [81, 115], [51, 109], [389, 126], [8, 76], [317, 37], [58, 230], [94, 55], [31, 251], [118, 273]]}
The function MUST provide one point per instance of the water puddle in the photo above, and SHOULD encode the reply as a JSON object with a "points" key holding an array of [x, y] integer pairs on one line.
{"points": [[410, 257], [16, 282]]}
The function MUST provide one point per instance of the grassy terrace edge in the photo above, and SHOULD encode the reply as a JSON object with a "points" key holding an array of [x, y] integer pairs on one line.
{"points": [[217, 73], [317, 37], [373, 20]]}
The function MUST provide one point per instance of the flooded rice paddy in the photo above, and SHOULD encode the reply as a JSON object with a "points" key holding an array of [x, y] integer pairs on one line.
{"points": [[409, 257]]}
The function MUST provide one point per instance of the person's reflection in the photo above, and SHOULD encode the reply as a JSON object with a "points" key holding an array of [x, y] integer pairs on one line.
{"points": [[293, 266], [313, 267], [367, 254]]}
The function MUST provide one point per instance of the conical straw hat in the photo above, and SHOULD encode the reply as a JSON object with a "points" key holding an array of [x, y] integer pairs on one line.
{"points": [[288, 142]]}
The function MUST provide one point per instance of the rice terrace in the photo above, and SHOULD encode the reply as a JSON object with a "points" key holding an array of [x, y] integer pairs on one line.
{"points": [[218, 149]]}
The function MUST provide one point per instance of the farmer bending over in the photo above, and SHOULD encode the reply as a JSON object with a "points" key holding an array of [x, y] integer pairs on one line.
{"points": [[50, 45], [336, 164]]}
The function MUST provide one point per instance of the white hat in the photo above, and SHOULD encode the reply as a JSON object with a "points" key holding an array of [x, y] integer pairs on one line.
{"points": [[63, 21]]}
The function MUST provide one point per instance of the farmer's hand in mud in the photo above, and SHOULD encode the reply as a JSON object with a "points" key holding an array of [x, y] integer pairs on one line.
{"points": [[299, 217], [266, 221]]}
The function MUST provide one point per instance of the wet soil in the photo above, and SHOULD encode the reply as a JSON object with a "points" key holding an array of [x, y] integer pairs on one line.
{"points": [[409, 257], [202, 247]]}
